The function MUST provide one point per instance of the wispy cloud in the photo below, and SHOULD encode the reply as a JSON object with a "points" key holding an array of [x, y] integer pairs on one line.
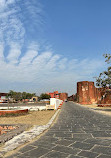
{"points": [[45, 69], [36, 66]]}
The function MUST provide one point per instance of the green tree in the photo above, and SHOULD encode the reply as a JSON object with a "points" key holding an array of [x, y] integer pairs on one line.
{"points": [[18, 96], [104, 79], [29, 95], [44, 96], [24, 95], [11, 93], [108, 58]]}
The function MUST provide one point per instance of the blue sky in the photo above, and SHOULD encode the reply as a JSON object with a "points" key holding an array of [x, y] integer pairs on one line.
{"points": [[48, 45]]}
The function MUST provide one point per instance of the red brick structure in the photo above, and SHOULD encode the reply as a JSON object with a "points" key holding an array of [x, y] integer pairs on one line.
{"points": [[51, 95], [106, 99], [11, 112], [73, 98], [86, 92], [63, 96], [56, 94]]}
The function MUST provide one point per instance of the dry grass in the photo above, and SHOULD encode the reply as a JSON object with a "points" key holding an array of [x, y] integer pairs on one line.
{"points": [[33, 118], [94, 106]]}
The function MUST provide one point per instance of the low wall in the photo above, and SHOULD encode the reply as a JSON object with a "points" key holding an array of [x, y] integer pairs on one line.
{"points": [[31, 108], [55, 102], [5, 112]]}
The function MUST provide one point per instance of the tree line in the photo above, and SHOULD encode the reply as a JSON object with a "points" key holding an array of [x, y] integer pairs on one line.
{"points": [[19, 96], [104, 79]]}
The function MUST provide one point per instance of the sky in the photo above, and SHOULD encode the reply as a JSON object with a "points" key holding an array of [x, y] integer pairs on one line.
{"points": [[48, 45]]}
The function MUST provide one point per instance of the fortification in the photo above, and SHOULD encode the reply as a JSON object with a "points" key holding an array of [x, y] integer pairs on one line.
{"points": [[86, 92]]}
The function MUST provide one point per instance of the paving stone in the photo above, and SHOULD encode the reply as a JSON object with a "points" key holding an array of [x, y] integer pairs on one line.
{"points": [[56, 154], [64, 142], [75, 139], [14, 155], [63, 135], [98, 141], [66, 149], [76, 131], [80, 145], [75, 135], [46, 145], [104, 156], [47, 138], [72, 156], [88, 154], [35, 153], [27, 148], [102, 149], [100, 134], [11, 156]]}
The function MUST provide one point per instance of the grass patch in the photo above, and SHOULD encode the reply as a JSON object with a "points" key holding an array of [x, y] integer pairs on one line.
{"points": [[14, 114], [32, 118]]}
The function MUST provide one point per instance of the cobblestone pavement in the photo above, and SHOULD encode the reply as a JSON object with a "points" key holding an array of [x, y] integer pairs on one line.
{"points": [[78, 133]]}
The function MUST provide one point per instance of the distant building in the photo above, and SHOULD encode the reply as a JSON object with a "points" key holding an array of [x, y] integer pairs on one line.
{"points": [[3, 97], [34, 99], [51, 95], [63, 96], [56, 94]]}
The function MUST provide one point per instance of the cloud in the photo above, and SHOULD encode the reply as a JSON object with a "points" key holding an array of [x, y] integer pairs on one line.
{"points": [[14, 53], [25, 63], [45, 71], [11, 27], [1, 52], [35, 64]]}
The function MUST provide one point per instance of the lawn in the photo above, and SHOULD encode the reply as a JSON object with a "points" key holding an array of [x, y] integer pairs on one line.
{"points": [[32, 118]]}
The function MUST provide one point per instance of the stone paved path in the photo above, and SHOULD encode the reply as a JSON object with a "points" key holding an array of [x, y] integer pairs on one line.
{"points": [[78, 133]]}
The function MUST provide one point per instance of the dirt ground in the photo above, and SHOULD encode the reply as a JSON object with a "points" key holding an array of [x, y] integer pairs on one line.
{"points": [[32, 118], [103, 110]]}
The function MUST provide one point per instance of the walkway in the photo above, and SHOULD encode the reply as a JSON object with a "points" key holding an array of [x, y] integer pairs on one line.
{"points": [[78, 133]]}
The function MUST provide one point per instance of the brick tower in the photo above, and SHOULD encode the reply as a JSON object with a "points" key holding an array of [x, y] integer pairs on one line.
{"points": [[86, 92]]}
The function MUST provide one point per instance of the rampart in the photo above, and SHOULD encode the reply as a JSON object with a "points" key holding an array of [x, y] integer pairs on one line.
{"points": [[87, 93]]}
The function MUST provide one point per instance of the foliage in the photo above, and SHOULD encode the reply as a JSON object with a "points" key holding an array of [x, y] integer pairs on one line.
{"points": [[44, 96], [104, 79], [108, 58], [18, 96]]}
